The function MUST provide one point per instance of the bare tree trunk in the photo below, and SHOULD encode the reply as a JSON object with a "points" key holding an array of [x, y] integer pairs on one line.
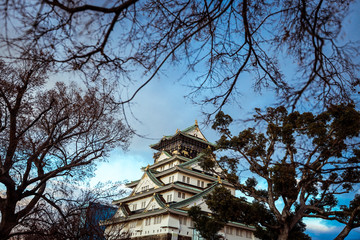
{"points": [[8, 219], [284, 233], [6, 226]]}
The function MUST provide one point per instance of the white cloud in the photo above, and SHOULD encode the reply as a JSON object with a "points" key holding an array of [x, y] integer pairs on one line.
{"points": [[319, 226], [121, 166]]}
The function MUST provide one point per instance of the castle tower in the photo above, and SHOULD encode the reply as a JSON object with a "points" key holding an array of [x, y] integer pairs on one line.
{"points": [[158, 204]]}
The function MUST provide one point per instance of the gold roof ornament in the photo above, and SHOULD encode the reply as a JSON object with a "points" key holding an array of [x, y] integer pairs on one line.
{"points": [[196, 122], [177, 130], [147, 167], [219, 179]]}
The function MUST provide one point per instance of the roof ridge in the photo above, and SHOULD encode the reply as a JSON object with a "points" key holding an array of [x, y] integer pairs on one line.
{"points": [[197, 138], [189, 128]]}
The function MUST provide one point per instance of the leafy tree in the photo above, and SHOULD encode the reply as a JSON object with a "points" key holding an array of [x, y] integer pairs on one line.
{"points": [[49, 133], [221, 40], [303, 162], [226, 207], [207, 226]]}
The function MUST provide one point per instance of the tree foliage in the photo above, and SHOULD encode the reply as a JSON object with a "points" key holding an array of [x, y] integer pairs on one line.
{"points": [[221, 40], [49, 133], [300, 164], [226, 207], [207, 227]]}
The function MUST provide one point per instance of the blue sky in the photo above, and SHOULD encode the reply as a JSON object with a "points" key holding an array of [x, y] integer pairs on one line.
{"points": [[161, 108]]}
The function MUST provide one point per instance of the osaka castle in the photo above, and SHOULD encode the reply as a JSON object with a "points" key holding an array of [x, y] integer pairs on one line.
{"points": [[158, 204]]}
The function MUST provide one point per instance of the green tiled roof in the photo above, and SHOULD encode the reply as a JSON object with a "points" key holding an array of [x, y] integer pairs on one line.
{"points": [[166, 153], [134, 216], [188, 187], [198, 139], [123, 209], [184, 133], [188, 129], [159, 200], [190, 162], [132, 182], [167, 160], [195, 197], [156, 190], [150, 174]]}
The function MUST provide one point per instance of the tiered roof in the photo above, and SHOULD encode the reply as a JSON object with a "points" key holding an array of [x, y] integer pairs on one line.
{"points": [[188, 143], [162, 206], [171, 148]]}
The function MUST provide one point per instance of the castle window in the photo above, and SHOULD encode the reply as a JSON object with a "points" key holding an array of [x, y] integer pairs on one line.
{"points": [[248, 234], [238, 232], [147, 221], [132, 224], [157, 219], [134, 207], [143, 204], [169, 198], [182, 220], [181, 195], [202, 184], [188, 180]]}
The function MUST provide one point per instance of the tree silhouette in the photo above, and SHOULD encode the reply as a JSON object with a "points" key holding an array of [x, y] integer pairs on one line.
{"points": [[222, 41], [303, 161], [49, 133]]}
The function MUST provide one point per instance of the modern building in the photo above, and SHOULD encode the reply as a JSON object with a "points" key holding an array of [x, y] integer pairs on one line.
{"points": [[158, 204], [90, 217]]}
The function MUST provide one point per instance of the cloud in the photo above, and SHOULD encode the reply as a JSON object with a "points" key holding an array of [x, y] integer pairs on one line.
{"points": [[121, 166], [319, 226]]}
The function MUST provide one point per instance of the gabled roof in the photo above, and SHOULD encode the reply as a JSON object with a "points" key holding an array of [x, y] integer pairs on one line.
{"points": [[125, 209], [151, 175], [172, 158], [192, 161], [163, 156], [176, 185], [132, 183], [159, 201], [192, 199]]}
